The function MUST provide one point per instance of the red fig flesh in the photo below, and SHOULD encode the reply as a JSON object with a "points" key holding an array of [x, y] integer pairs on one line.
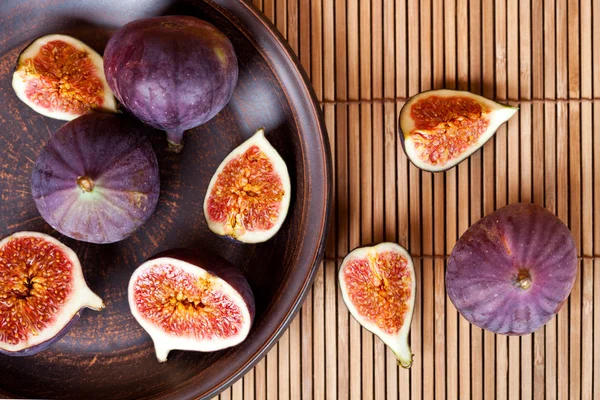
{"points": [[60, 77], [440, 128], [42, 291], [191, 301], [378, 287], [249, 195], [512, 270]]}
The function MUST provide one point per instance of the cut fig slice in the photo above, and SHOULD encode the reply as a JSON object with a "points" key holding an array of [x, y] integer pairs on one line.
{"points": [[249, 195], [378, 286], [61, 77], [440, 128], [97, 179], [191, 300], [42, 292]]}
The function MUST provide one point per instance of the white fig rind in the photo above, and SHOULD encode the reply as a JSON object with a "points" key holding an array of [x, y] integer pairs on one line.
{"points": [[398, 342], [258, 236], [164, 342], [21, 78], [498, 114], [81, 297]]}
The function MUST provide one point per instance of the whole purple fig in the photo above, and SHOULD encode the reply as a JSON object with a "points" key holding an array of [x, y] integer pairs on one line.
{"points": [[172, 72], [97, 179], [511, 271]]}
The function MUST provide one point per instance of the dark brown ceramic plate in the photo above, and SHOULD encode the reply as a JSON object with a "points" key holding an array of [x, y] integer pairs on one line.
{"points": [[107, 355]]}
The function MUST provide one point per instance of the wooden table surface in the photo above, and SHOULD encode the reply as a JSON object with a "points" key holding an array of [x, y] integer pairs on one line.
{"points": [[364, 58]]}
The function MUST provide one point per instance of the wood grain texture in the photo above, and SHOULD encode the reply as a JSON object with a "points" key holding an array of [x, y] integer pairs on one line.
{"points": [[545, 155]]}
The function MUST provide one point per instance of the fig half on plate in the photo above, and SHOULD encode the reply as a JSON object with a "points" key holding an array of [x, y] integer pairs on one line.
{"points": [[42, 292], [191, 300], [249, 195], [440, 128], [61, 77]]}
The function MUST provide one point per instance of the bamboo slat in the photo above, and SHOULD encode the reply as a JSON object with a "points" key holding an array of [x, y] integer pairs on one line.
{"points": [[451, 198], [353, 161], [537, 89], [388, 388], [596, 214], [364, 59], [362, 154], [341, 212], [438, 293], [587, 200], [378, 180]]}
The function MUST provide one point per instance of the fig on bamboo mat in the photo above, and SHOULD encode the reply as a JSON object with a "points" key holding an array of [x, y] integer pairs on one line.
{"points": [[512, 271], [378, 286], [440, 128]]}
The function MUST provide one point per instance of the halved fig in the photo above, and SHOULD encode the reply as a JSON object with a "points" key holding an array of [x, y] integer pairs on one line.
{"points": [[61, 77], [191, 300], [440, 128], [42, 292], [512, 271], [97, 179], [249, 195], [378, 286]]}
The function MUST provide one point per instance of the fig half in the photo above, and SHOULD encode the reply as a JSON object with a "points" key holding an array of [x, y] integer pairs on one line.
{"points": [[42, 292], [440, 128], [97, 179], [61, 77], [512, 271], [378, 286], [249, 195], [191, 300]]}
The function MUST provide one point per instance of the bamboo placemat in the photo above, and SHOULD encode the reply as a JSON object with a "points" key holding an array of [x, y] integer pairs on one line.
{"points": [[364, 58]]}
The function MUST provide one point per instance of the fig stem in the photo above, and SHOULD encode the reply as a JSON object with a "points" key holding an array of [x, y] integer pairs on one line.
{"points": [[404, 357], [524, 283], [161, 352], [524, 280], [85, 183], [175, 140]]}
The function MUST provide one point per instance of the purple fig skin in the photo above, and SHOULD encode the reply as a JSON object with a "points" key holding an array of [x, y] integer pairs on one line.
{"points": [[30, 351], [218, 266], [511, 271], [122, 165], [172, 72]]}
